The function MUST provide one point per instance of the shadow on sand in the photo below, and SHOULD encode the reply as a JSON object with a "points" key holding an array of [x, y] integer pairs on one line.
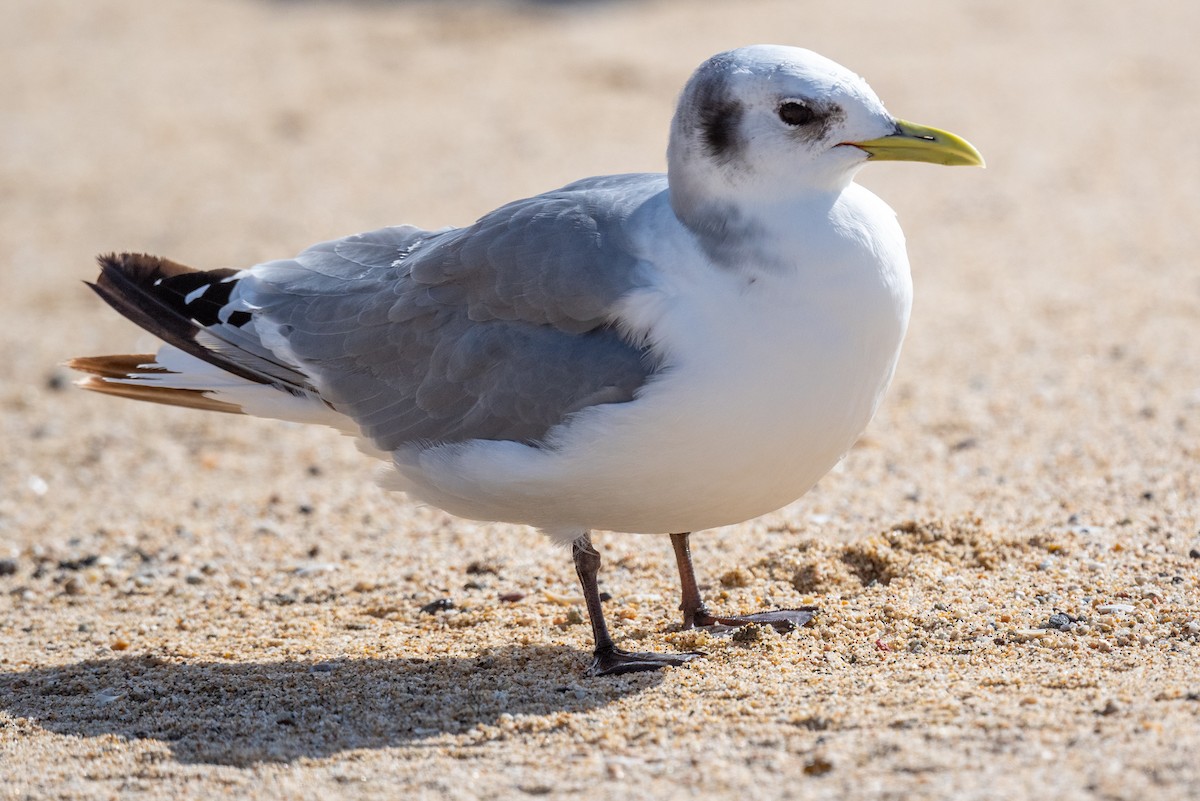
{"points": [[242, 713]]}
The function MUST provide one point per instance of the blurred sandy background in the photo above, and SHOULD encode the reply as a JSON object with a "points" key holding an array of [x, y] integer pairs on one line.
{"points": [[196, 606]]}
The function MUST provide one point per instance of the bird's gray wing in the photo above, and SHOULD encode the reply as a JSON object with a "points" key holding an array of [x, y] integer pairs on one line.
{"points": [[499, 330]]}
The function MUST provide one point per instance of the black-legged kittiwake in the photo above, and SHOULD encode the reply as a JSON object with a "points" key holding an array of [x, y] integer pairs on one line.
{"points": [[635, 353]]}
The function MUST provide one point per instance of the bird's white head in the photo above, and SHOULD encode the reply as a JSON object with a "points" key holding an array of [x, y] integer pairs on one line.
{"points": [[765, 123]]}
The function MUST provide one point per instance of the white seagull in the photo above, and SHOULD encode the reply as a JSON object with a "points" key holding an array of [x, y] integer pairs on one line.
{"points": [[631, 353]]}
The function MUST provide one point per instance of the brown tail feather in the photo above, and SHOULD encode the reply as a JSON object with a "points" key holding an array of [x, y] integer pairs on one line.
{"points": [[116, 366], [130, 365]]}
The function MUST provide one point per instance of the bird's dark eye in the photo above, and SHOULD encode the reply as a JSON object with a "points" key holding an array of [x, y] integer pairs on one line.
{"points": [[794, 113]]}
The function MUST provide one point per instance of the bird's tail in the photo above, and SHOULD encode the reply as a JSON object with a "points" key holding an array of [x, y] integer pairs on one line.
{"points": [[213, 358], [126, 376]]}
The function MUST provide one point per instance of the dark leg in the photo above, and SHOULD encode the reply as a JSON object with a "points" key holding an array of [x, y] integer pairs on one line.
{"points": [[695, 614], [610, 659]]}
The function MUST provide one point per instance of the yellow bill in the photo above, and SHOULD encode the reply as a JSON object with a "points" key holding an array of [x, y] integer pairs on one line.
{"points": [[912, 142]]}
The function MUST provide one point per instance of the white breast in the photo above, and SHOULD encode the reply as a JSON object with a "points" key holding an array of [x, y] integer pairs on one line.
{"points": [[770, 376]]}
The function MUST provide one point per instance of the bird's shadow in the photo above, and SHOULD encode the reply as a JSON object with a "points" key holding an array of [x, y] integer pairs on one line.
{"points": [[250, 712]]}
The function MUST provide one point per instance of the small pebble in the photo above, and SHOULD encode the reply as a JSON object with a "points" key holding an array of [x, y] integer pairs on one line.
{"points": [[511, 597], [107, 696], [1060, 621], [440, 605], [535, 789], [57, 381], [749, 633], [8, 567], [316, 569], [1025, 635], [738, 577], [78, 564], [1114, 609], [818, 766], [1194, 553], [573, 618]]}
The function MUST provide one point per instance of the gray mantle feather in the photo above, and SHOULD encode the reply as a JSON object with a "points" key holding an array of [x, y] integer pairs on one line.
{"points": [[495, 331]]}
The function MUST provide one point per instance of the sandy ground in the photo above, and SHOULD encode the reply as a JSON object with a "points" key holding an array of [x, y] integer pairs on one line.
{"points": [[194, 606]]}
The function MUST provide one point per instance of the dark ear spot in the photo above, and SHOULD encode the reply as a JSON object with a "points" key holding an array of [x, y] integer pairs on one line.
{"points": [[719, 127], [718, 114]]}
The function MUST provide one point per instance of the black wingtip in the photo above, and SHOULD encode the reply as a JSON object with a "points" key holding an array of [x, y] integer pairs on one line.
{"points": [[152, 292]]}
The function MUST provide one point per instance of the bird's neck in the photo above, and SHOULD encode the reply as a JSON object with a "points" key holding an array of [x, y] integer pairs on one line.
{"points": [[731, 226]]}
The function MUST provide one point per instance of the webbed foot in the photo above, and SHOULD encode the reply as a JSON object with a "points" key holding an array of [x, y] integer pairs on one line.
{"points": [[614, 661], [782, 620]]}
